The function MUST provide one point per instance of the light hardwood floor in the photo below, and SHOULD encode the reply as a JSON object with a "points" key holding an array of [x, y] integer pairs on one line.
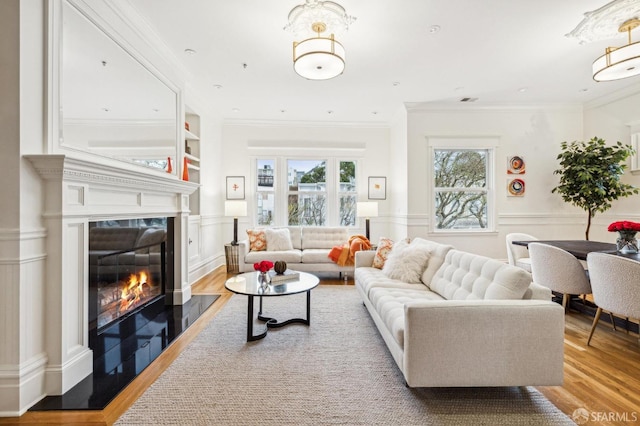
{"points": [[603, 379]]}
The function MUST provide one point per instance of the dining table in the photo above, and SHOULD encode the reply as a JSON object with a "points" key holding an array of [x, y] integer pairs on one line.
{"points": [[580, 248]]}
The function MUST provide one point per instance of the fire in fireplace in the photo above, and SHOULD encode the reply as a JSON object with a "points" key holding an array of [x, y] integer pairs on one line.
{"points": [[119, 298]]}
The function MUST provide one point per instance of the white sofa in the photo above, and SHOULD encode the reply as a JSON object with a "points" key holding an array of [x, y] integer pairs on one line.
{"points": [[310, 250], [471, 321]]}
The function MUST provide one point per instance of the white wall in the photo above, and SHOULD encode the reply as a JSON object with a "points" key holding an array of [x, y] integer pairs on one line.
{"points": [[243, 142], [533, 133]]}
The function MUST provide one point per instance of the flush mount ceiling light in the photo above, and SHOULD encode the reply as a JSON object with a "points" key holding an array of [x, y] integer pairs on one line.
{"points": [[619, 62], [318, 57]]}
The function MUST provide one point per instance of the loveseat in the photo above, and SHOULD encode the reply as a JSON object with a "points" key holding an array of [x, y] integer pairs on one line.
{"points": [[456, 319], [307, 249]]}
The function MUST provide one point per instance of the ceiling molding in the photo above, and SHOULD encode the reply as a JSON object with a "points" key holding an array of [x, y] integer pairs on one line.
{"points": [[293, 123]]}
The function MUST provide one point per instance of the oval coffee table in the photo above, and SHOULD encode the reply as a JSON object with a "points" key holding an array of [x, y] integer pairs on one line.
{"points": [[248, 285]]}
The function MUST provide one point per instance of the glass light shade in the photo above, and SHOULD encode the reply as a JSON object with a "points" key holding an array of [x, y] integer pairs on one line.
{"points": [[367, 209], [620, 63], [318, 58], [235, 208]]}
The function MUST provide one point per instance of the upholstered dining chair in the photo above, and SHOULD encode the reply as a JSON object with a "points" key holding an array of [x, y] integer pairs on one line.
{"points": [[558, 270], [519, 255], [615, 281]]}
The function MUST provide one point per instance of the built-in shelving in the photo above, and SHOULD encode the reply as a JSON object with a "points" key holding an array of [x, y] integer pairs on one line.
{"points": [[192, 154]]}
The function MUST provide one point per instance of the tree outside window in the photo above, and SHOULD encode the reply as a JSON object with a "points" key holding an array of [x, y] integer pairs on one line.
{"points": [[307, 196], [347, 194], [460, 188]]}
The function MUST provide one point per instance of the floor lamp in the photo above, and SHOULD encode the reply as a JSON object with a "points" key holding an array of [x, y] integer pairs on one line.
{"points": [[235, 209], [367, 209]]}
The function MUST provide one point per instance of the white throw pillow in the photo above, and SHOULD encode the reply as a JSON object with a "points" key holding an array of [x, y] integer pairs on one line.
{"points": [[406, 262], [278, 239]]}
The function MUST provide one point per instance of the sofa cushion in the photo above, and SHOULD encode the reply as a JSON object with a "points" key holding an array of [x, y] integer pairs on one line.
{"points": [[296, 236], [390, 302], [368, 278], [316, 256], [471, 276], [323, 237], [289, 256], [406, 262], [152, 237], [382, 252], [278, 239], [257, 239], [438, 252]]}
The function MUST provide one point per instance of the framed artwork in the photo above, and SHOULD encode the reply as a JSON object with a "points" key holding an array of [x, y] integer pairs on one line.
{"points": [[515, 165], [235, 187], [515, 187], [377, 188]]}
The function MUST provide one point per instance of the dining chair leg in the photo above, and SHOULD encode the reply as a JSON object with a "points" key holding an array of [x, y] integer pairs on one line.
{"points": [[613, 321], [593, 326], [565, 300]]}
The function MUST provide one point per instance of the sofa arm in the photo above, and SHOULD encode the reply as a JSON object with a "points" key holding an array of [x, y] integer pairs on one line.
{"points": [[483, 343], [364, 258]]}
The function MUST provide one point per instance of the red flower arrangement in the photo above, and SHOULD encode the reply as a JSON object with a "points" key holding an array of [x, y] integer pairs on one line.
{"points": [[624, 225], [263, 266]]}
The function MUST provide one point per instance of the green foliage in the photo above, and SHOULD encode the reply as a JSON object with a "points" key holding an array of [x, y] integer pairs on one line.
{"points": [[315, 175], [590, 175]]}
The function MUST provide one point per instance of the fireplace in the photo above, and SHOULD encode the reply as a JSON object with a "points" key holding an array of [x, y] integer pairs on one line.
{"points": [[127, 268]]}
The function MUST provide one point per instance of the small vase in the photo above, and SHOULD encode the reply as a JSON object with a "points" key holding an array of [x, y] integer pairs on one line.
{"points": [[264, 279], [627, 242]]}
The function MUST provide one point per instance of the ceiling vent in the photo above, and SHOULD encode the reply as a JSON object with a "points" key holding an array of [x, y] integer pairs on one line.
{"points": [[468, 99]]}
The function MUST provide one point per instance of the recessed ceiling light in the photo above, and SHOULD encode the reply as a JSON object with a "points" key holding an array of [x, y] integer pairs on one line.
{"points": [[396, 83], [374, 112], [217, 86], [459, 88], [584, 90], [155, 110], [105, 109], [434, 29], [236, 110], [189, 51], [522, 89], [329, 112], [283, 111]]}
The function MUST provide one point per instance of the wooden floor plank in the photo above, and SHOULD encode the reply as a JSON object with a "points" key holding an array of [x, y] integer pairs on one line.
{"points": [[603, 378]]}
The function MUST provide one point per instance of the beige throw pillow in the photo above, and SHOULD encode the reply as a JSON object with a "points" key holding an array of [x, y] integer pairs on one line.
{"points": [[406, 262], [278, 239]]}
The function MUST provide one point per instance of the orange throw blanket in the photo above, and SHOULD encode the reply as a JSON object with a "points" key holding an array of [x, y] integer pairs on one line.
{"points": [[344, 255]]}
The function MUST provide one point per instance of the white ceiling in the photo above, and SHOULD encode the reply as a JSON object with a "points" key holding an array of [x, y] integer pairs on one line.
{"points": [[512, 52]]}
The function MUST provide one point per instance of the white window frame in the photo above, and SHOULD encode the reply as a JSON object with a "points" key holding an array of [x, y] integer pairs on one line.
{"points": [[488, 144]]}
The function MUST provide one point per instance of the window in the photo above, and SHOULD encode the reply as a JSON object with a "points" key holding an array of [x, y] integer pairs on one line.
{"points": [[265, 194], [461, 189], [347, 193], [306, 192]]}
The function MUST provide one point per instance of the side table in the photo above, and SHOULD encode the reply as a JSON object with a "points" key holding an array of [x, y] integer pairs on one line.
{"points": [[231, 254]]}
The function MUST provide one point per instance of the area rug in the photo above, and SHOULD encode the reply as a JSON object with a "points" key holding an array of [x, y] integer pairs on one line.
{"points": [[336, 371]]}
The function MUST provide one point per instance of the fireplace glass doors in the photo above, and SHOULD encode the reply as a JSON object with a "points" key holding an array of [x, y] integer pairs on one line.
{"points": [[127, 270]]}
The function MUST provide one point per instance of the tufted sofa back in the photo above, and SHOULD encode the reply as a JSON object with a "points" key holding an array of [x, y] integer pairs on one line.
{"points": [[323, 237], [467, 276]]}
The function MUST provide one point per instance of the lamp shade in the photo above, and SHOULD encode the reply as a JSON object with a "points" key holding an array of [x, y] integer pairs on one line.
{"points": [[235, 208], [319, 58], [367, 209], [619, 63]]}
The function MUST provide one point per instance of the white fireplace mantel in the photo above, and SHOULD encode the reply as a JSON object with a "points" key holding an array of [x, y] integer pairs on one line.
{"points": [[78, 191]]}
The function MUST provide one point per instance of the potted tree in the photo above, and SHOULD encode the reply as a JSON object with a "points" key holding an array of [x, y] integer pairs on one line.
{"points": [[590, 175]]}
